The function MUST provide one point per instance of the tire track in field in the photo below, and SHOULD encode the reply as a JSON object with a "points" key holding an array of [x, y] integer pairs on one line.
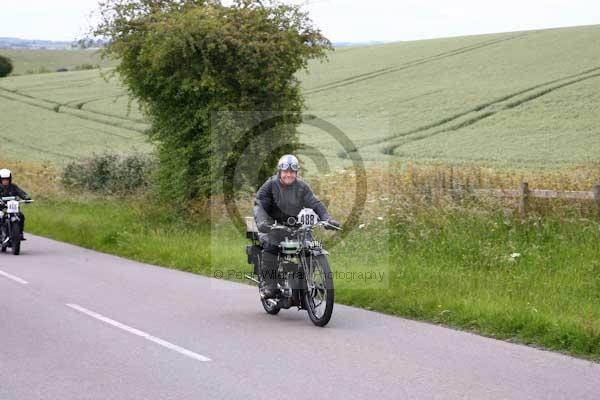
{"points": [[418, 96], [134, 120], [30, 103], [65, 82], [486, 114], [388, 70], [64, 85], [39, 150], [67, 105], [477, 108], [384, 70], [77, 113], [129, 138], [78, 103], [81, 103], [45, 151]]}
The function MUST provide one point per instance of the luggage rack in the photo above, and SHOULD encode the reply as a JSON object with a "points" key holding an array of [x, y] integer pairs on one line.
{"points": [[251, 229], [253, 251]]}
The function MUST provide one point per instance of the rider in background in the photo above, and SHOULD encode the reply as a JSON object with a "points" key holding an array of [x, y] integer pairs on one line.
{"points": [[280, 197], [9, 189]]}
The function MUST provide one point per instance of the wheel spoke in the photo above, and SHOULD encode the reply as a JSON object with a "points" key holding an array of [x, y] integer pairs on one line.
{"points": [[317, 288]]}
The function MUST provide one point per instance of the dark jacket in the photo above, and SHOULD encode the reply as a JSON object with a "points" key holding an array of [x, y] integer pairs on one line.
{"points": [[277, 202], [13, 190]]}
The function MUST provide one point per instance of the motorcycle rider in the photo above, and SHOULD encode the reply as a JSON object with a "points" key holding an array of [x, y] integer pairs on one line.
{"points": [[281, 196], [9, 189]]}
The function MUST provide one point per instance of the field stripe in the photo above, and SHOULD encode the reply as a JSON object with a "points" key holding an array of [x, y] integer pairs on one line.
{"points": [[20, 92], [14, 278], [390, 149], [73, 111], [141, 334], [575, 78], [388, 70], [39, 150]]}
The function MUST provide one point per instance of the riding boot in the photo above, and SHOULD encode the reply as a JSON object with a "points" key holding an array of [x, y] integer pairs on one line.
{"points": [[268, 287]]}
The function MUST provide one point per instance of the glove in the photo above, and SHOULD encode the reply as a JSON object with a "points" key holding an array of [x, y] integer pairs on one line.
{"points": [[332, 222], [264, 227]]}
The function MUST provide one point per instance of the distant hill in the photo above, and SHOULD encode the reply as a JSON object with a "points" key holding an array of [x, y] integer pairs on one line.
{"points": [[16, 43], [34, 61], [33, 44], [346, 44]]}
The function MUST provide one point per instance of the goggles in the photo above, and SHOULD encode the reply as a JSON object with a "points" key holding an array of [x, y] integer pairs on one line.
{"points": [[285, 166]]}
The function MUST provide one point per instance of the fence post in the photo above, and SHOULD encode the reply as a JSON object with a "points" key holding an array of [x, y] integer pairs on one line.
{"points": [[524, 199], [597, 196]]}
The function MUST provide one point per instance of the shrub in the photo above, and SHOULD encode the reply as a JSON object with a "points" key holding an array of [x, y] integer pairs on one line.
{"points": [[6, 66], [109, 173], [85, 66], [40, 70], [186, 62]]}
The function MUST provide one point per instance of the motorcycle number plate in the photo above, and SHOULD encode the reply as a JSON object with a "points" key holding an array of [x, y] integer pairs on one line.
{"points": [[308, 216], [12, 207]]}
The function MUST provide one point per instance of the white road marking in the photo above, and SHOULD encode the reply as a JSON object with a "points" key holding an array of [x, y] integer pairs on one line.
{"points": [[137, 332], [14, 278]]}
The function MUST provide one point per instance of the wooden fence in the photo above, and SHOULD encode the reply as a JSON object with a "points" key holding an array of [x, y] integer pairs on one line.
{"points": [[523, 194]]}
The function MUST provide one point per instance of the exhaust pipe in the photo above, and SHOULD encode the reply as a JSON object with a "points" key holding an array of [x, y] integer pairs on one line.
{"points": [[252, 279]]}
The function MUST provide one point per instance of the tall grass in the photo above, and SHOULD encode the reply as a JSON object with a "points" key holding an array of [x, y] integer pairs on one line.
{"points": [[535, 281], [421, 249]]}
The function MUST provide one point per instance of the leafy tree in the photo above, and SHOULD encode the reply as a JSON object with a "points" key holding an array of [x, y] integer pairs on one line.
{"points": [[6, 66], [186, 60]]}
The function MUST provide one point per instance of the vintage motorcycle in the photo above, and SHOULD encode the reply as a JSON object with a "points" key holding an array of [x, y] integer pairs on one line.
{"points": [[304, 278], [10, 224]]}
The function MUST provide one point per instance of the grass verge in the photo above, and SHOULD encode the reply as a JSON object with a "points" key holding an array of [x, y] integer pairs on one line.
{"points": [[535, 281]]}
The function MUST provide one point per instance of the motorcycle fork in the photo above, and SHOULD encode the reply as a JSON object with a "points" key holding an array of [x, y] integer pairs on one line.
{"points": [[7, 231]]}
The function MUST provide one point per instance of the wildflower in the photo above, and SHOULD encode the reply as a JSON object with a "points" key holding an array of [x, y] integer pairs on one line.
{"points": [[380, 218], [515, 255], [362, 226]]}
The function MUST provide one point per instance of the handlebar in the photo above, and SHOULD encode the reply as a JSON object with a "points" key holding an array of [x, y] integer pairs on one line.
{"points": [[299, 227], [13, 198]]}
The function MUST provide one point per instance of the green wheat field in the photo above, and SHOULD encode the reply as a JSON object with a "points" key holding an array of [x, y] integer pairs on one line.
{"points": [[521, 99]]}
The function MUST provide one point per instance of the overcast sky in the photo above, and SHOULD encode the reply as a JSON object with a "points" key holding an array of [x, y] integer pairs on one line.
{"points": [[340, 20]]}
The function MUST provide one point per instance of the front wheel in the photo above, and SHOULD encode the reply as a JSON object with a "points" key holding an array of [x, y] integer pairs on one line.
{"points": [[15, 239], [3, 236], [269, 307], [319, 296]]}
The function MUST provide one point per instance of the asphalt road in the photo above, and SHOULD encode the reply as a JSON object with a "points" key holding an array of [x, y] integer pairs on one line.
{"points": [[76, 324]]}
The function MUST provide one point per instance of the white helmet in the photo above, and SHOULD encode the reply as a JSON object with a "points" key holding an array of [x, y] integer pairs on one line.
{"points": [[5, 174], [288, 161]]}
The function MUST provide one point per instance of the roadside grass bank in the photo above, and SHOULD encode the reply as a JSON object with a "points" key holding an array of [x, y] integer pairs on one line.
{"points": [[534, 281], [420, 251]]}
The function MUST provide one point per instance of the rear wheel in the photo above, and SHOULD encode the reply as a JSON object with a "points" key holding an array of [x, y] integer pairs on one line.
{"points": [[15, 239], [319, 297]]}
